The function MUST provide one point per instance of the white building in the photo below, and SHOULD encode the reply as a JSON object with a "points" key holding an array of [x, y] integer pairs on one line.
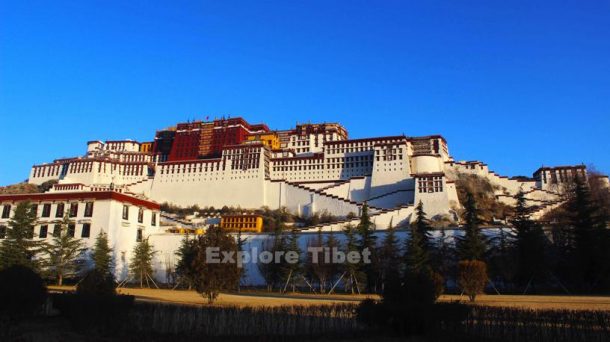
{"points": [[125, 219]]}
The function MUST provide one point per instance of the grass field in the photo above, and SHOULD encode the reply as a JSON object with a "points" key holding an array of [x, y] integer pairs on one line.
{"points": [[260, 298]]}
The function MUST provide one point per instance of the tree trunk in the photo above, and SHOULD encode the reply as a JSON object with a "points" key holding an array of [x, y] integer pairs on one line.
{"points": [[60, 280]]}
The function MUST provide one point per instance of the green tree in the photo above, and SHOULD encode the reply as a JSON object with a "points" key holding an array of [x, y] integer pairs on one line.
{"points": [[367, 245], [102, 254], [588, 238], [19, 248], [63, 253], [294, 269], [390, 263], [187, 253], [417, 254], [213, 277], [140, 265], [352, 270], [472, 245], [529, 244]]}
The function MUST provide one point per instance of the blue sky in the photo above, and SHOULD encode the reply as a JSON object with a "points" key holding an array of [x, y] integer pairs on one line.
{"points": [[516, 84]]}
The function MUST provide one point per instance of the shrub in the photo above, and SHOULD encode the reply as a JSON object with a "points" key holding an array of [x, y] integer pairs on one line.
{"points": [[22, 291], [96, 283], [472, 277], [90, 312]]}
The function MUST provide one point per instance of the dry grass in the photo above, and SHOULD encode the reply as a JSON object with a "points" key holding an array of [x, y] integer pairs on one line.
{"points": [[537, 302], [251, 299], [260, 299]]}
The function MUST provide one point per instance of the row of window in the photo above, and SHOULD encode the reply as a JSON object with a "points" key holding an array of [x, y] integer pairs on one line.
{"points": [[59, 210], [153, 218], [43, 232]]}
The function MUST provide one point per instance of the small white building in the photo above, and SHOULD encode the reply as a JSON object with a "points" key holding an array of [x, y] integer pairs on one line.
{"points": [[126, 219]]}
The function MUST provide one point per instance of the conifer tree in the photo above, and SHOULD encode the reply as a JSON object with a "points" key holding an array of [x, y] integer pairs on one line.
{"points": [[352, 270], [389, 255], [417, 255], [186, 253], [588, 237], [293, 269], [19, 248], [141, 261], [367, 245], [102, 255], [315, 266], [63, 253], [472, 245], [529, 243], [332, 245]]}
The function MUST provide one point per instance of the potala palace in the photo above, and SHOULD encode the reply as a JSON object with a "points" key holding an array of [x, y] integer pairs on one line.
{"points": [[116, 186]]}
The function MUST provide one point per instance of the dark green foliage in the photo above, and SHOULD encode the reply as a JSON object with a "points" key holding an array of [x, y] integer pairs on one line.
{"points": [[367, 245], [352, 270], [102, 254], [214, 277], [185, 269], [63, 254], [390, 263], [22, 291], [472, 246], [295, 270], [530, 245], [46, 186], [96, 283], [140, 266], [417, 251], [19, 247], [588, 241]]}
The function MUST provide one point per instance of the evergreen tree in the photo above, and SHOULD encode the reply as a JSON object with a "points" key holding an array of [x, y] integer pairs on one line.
{"points": [[588, 238], [102, 254], [332, 245], [186, 253], [443, 254], [240, 248], [367, 245], [293, 269], [214, 277], [315, 266], [529, 244], [141, 261], [390, 260], [472, 245], [417, 255], [63, 253], [352, 270], [19, 248]]}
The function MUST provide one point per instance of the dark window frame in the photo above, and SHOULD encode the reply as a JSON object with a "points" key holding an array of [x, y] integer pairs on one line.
{"points": [[46, 210], [60, 210], [73, 209], [44, 230], [88, 209], [6, 211], [86, 231], [125, 212]]}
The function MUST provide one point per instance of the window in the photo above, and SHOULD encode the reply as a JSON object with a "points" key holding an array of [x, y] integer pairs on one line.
{"points": [[73, 209], [59, 211], [43, 232], [71, 229], [46, 210], [2, 232], [35, 209], [89, 209], [56, 230], [139, 236], [153, 220], [125, 212], [140, 215], [86, 230], [6, 211]]}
